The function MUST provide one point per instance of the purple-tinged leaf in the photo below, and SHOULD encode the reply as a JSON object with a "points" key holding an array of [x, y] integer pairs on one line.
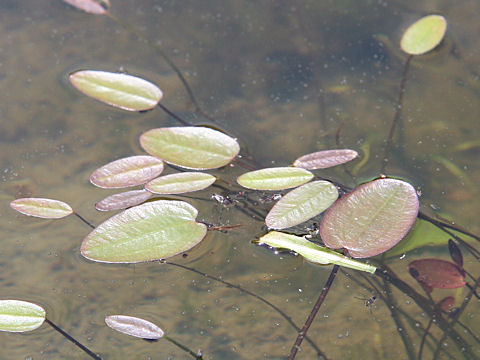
{"points": [[446, 304], [371, 219], [123, 200], [455, 253], [130, 171], [42, 208], [134, 326], [325, 159], [180, 183], [96, 7], [437, 274]]}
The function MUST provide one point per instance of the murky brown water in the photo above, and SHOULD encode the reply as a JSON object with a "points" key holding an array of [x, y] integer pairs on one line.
{"points": [[257, 68]]}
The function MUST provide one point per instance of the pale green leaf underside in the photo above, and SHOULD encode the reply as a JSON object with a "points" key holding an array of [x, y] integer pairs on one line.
{"points": [[151, 231], [301, 204], [180, 183], [190, 147], [120, 90], [42, 208], [311, 251], [20, 316], [424, 35], [278, 178]]}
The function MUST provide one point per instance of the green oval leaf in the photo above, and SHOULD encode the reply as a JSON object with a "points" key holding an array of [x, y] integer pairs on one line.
{"points": [[120, 90], [278, 178], [151, 231], [42, 208], [97, 7], [311, 251], [424, 35], [123, 200], [130, 171], [134, 326], [180, 183], [302, 204], [190, 147], [325, 159], [20, 316], [371, 219]]}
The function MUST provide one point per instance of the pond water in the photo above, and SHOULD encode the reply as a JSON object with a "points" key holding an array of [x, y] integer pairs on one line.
{"points": [[285, 79]]}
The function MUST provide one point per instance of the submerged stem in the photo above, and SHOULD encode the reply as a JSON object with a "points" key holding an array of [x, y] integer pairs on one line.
{"points": [[302, 334], [70, 338], [397, 116]]}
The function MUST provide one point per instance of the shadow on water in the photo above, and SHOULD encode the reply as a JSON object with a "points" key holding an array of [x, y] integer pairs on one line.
{"points": [[282, 78]]}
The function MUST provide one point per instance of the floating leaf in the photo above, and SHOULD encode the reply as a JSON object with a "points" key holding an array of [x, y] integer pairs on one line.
{"points": [[130, 171], [42, 208], [437, 274], [120, 90], [278, 178], [151, 231], [190, 147], [97, 7], [446, 304], [424, 35], [311, 251], [134, 326], [20, 316], [302, 204], [180, 183], [325, 159], [123, 200], [371, 219]]}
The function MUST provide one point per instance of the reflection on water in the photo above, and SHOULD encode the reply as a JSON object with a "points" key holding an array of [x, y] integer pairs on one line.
{"points": [[286, 80]]}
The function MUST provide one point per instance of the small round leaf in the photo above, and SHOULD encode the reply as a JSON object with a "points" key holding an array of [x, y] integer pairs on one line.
{"points": [[190, 147], [301, 204], [129, 171], [151, 231], [20, 316], [424, 35], [120, 90], [278, 178], [180, 183], [134, 326], [123, 200], [371, 219], [42, 208], [325, 159]]}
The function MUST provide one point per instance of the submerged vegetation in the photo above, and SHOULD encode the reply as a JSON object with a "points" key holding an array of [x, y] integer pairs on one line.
{"points": [[353, 229]]}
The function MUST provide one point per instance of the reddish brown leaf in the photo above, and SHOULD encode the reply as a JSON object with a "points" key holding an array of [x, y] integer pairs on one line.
{"points": [[437, 274], [325, 159]]}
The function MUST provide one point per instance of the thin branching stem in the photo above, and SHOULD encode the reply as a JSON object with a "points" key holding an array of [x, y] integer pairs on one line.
{"points": [[245, 291]]}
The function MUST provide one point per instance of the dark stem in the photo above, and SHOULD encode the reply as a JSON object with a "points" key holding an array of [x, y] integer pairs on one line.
{"points": [[402, 331], [84, 220], [424, 337], [313, 313], [167, 59], [84, 348], [441, 224], [183, 347], [397, 115], [173, 115], [258, 297]]}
